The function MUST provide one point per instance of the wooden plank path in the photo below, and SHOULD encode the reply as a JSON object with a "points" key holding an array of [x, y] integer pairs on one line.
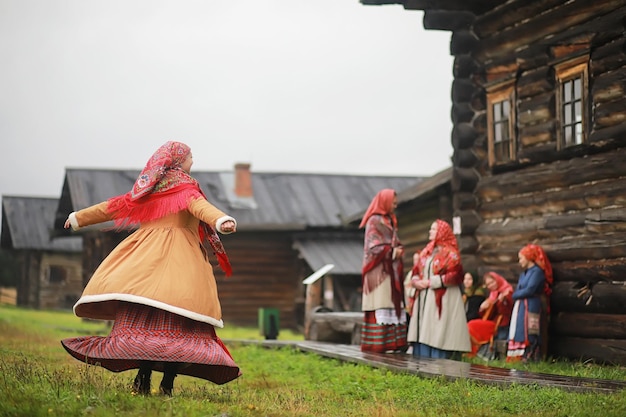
{"points": [[449, 369]]}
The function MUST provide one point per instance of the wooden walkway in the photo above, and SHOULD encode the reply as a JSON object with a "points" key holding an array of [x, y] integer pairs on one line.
{"points": [[449, 369]]}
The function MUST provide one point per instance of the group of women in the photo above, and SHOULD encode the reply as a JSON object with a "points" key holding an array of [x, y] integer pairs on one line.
{"points": [[437, 325]]}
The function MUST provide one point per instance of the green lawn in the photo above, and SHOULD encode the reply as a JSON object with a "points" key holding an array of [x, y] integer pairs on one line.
{"points": [[38, 378]]}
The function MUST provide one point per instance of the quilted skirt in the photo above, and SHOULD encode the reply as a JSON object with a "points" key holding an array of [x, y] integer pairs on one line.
{"points": [[143, 333]]}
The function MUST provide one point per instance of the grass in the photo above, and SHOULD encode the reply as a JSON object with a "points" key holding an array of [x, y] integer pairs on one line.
{"points": [[38, 378]]}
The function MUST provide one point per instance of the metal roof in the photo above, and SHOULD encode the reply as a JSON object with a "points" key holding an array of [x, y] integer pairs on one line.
{"points": [[27, 224], [281, 201], [345, 253]]}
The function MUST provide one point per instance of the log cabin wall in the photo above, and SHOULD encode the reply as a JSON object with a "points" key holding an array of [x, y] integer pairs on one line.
{"points": [[252, 255], [570, 200]]}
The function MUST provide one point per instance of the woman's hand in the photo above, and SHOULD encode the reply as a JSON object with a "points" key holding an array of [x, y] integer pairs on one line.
{"points": [[67, 224], [484, 305], [228, 227], [420, 284]]}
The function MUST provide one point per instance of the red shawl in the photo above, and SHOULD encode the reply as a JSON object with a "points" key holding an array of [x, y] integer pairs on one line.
{"points": [[379, 245], [163, 188]]}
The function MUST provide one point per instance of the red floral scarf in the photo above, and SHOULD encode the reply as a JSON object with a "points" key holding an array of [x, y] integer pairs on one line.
{"points": [[163, 188]]}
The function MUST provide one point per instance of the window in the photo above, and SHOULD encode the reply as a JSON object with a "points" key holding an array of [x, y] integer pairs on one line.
{"points": [[56, 274], [572, 104], [501, 124]]}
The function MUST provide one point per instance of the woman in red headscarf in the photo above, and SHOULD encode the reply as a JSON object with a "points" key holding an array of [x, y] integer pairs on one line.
{"points": [[528, 330], [158, 284], [384, 327], [438, 325], [496, 316]]}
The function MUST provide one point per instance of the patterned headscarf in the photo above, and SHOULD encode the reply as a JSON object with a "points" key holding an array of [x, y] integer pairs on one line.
{"points": [[163, 170], [536, 254], [382, 204], [163, 188]]}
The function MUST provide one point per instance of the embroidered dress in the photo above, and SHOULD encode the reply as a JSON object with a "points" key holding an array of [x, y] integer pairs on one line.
{"points": [[158, 284], [384, 321]]}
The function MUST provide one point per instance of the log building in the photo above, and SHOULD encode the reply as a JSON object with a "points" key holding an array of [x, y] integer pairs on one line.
{"points": [[539, 134], [49, 275]]}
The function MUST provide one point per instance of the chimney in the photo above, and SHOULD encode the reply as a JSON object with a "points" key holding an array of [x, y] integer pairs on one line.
{"points": [[243, 180]]}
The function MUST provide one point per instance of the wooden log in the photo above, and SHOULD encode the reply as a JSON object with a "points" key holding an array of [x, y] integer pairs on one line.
{"points": [[464, 158], [609, 87], [589, 325], [478, 101], [475, 7], [447, 20], [463, 42], [541, 133], [461, 113], [469, 221], [467, 244], [596, 196], [602, 297], [576, 14], [559, 174], [464, 66], [608, 137], [608, 57], [609, 114], [508, 14], [463, 136], [464, 201], [535, 82], [464, 179], [591, 270], [604, 351], [537, 109], [462, 90]]}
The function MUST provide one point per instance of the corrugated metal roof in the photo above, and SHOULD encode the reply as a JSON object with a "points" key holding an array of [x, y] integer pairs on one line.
{"points": [[346, 254], [284, 201], [27, 224]]}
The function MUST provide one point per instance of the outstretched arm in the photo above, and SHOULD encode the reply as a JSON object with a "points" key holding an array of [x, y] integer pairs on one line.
{"points": [[208, 213], [88, 216]]}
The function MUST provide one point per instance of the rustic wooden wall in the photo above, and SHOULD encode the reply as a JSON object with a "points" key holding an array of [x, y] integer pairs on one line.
{"points": [[53, 296], [265, 275], [572, 202]]}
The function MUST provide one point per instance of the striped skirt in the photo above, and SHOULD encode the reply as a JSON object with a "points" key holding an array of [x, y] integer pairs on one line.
{"points": [[143, 333], [379, 337]]}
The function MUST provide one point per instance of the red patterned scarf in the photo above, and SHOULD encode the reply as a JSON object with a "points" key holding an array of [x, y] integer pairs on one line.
{"points": [[163, 188]]}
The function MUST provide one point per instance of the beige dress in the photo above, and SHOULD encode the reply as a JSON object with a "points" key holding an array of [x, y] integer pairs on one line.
{"points": [[446, 332], [162, 264]]}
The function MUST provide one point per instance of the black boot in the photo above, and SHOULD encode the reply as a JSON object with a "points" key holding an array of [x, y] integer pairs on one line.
{"points": [[141, 384], [167, 383]]}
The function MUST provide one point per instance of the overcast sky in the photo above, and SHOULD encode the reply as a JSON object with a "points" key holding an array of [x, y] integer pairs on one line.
{"points": [[319, 86]]}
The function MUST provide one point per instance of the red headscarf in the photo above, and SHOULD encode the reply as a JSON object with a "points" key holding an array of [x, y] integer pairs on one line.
{"points": [[382, 204], [163, 188], [502, 283], [536, 254]]}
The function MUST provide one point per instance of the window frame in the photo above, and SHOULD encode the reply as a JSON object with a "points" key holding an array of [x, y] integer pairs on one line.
{"points": [[565, 72], [498, 94]]}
